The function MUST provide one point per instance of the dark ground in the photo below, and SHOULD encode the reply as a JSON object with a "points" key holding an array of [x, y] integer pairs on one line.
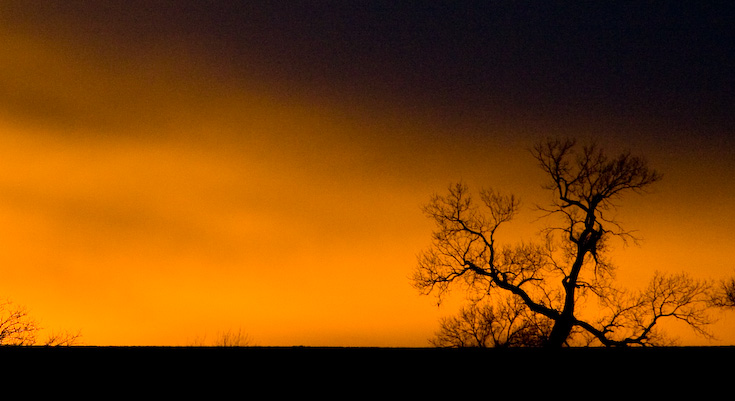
{"points": [[414, 372]]}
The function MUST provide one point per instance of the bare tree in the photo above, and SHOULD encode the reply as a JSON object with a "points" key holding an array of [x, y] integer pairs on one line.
{"points": [[232, 338], [18, 328], [724, 297], [229, 338], [62, 338], [552, 279], [507, 324]]}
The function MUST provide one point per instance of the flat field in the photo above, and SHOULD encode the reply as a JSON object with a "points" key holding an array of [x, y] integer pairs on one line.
{"points": [[415, 373]]}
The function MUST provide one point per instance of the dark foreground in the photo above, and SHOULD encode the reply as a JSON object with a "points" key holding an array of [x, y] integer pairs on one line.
{"points": [[416, 372]]}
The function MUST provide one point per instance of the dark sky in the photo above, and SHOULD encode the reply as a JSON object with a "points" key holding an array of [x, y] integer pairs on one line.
{"points": [[666, 62], [630, 59]]}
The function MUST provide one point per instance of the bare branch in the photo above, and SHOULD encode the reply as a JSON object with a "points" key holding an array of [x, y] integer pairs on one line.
{"points": [[508, 324], [62, 339], [724, 296], [16, 326], [571, 267], [633, 318]]}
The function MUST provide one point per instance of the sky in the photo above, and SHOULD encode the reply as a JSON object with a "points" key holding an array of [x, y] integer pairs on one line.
{"points": [[177, 169]]}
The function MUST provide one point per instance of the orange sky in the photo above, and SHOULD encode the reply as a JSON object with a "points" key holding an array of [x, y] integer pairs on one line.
{"points": [[154, 191]]}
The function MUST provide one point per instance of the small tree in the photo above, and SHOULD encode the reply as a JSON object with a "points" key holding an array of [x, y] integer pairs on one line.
{"points": [[724, 297], [18, 328], [229, 338], [552, 279], [506, 324], [62, 338], [232, 338]]}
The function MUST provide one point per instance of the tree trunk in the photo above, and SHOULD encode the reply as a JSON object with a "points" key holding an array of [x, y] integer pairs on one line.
{"points": [[563, 325], [559, 333]]}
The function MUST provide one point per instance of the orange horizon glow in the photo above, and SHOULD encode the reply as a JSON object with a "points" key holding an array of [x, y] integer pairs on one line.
{"points": [[147, 203]]}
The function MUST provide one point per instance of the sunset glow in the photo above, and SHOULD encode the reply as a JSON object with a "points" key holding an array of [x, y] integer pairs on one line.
{"points": [[169, 177]]}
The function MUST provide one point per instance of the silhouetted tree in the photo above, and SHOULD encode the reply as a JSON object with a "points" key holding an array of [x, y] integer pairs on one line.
{"points": [[552, 279], [62, 338], [232, 338], [18, 328], [724, 297], [229, 338], [506, 324]]}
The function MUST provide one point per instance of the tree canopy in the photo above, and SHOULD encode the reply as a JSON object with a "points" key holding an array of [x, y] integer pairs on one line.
{"points": [[538, 290]]}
